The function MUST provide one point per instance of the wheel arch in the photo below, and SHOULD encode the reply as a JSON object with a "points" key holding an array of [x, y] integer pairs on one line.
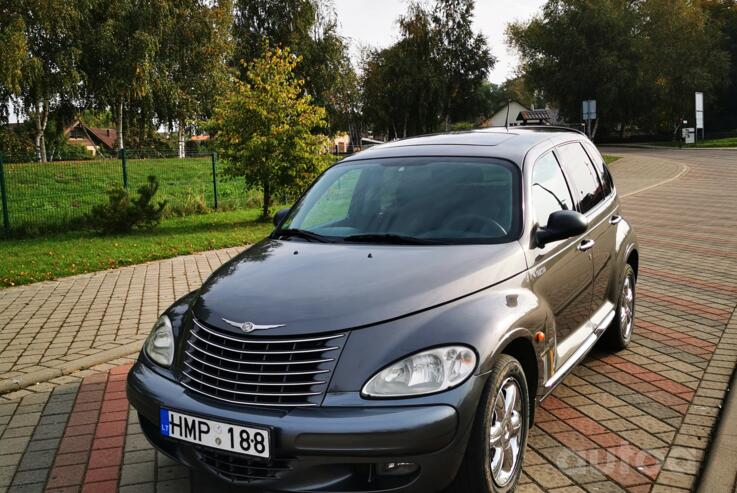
{"points": [[633, 258], [522, 350]]}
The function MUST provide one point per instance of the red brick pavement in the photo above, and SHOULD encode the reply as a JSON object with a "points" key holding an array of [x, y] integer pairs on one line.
{"points": [[636, 421]]}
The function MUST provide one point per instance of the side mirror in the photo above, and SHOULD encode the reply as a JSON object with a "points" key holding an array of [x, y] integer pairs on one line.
{"points": [[561, 225], [280, 216]]}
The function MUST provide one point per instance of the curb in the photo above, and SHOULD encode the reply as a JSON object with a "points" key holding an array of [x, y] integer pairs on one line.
{"points": [[719, 471], [667, 148], [13, 384]]}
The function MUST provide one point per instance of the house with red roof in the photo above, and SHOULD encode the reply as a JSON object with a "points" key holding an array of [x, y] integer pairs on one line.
{"points": [[94, 139]]}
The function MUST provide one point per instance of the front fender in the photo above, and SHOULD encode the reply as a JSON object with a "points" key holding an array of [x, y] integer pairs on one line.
{"points": [[486, 321]]}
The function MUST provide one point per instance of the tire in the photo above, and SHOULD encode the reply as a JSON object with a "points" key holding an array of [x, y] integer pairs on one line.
{"points": [[476, 474], [619, 334]]}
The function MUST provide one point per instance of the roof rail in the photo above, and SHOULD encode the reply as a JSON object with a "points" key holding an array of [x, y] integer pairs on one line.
{"points": [[551, 128], [554, 128]]}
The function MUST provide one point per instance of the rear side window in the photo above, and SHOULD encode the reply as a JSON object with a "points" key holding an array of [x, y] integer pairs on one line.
{"points": [[579, 168], [604, 175], [550, 191]]}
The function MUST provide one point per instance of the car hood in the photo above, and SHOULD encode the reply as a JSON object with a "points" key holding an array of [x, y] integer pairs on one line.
{"points": [[318, 287]]}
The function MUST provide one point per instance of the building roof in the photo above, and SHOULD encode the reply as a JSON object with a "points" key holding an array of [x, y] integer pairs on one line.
{"points": [[106, 137], [541, 115]]}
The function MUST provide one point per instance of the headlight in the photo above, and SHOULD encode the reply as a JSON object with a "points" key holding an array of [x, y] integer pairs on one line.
{"points": [[423, 373], [159, 345]]}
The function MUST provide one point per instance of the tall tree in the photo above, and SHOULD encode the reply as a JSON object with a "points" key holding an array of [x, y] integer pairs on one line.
{"points": [[191, 65], [723, 18], [465, 58], [434, 73], [41, 58], [692, 61], [120, 53], [309, 29], [12, 55], [285, 23], [577, 50], [641, 60], [267, 130], [402, 84]]}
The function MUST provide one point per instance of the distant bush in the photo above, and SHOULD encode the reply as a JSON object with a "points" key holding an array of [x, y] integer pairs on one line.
{"points": [[15, 145], [123, 212], [66, 151]]}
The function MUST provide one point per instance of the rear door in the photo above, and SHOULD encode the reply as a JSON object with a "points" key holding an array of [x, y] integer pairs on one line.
{"points": [[596, 201]]}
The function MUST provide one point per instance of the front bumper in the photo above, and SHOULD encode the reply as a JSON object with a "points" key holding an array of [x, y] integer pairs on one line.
{"points": [[322, 449]]}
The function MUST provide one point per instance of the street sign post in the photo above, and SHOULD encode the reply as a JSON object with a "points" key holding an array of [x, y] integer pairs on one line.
{"points": [[700, 113], [589, 114]]}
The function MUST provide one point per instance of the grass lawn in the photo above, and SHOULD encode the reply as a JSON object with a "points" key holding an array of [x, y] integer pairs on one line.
{"points": [[56, 195], [728, 142], [37, 259], [708, 144], [610, 159]]}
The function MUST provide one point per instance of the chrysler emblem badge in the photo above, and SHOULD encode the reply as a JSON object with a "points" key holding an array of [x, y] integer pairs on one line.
{"points": [[248, 327]]}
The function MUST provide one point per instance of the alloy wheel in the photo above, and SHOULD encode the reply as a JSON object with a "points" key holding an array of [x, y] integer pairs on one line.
{"points": [[627, 308], [505, 433]]}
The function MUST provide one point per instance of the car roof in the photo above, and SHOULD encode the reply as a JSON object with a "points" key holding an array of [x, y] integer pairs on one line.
{"points": [[512, 144]]}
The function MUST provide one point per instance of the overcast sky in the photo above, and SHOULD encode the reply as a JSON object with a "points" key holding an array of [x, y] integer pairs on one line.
{"points": [[373, 23]]}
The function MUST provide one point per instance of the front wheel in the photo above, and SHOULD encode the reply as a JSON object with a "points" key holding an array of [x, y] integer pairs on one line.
{"points": [[619, 333], [495, 453]]}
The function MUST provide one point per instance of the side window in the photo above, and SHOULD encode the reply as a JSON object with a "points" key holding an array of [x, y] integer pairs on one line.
{"points": [[604, 175], [550, 191], [579, 168]]}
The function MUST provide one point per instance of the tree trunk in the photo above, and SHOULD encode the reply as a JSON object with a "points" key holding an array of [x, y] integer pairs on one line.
{"points": [[41, 118], [267, 199], [119, 125], [180, 138]]}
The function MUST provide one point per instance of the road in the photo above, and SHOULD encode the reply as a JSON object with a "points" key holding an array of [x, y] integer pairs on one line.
{"points": [[637, 421]]}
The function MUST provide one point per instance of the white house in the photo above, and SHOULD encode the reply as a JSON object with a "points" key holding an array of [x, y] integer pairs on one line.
{"points": [[506, 116]]}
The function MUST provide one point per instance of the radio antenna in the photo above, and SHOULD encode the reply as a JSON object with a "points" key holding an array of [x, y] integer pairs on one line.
{"points": [[506, 121]]}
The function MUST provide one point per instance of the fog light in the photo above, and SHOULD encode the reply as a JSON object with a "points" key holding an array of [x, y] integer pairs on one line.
{"points": [[397, 468]]}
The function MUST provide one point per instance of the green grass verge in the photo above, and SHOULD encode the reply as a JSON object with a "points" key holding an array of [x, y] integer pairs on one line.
{"points": [[54, 196], [37, 259], [706, 144], [610, 159]]}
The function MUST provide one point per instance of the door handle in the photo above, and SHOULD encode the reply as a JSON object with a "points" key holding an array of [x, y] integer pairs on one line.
{"points": [[586, 245], [615, 219]]}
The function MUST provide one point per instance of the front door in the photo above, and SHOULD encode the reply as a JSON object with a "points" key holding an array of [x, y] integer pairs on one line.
{"points": [[562, 271]]}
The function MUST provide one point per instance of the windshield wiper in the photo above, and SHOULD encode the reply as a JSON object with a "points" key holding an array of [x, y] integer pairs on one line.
{"points": [[300, 233], [389, 238]]}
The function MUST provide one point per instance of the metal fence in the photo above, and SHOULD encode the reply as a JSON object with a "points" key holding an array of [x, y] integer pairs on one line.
{"points": [[39, 197]]}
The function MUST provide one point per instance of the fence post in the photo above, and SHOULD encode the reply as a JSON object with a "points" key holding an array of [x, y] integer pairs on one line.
{"points": [[215, 177], [4, 194], [125, 168]]}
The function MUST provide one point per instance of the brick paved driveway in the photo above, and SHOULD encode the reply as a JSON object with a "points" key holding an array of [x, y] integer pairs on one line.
{"points": [[635, 421]]}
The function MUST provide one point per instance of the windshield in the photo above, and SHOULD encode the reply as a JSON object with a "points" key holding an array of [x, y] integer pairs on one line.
{"points": [[425, 200]]}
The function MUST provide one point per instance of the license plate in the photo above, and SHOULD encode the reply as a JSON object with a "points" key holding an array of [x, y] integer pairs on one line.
{"points": [[223, 436]]}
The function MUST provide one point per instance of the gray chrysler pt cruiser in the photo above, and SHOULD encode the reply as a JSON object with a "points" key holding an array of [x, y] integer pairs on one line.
{"points": [[397, 329]]}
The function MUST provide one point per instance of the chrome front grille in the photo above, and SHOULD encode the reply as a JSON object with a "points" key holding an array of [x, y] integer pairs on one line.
{"points": [[259, 371]]}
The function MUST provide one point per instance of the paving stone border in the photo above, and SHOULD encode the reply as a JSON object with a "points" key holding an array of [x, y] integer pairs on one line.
{"points": [[53, 328]]}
